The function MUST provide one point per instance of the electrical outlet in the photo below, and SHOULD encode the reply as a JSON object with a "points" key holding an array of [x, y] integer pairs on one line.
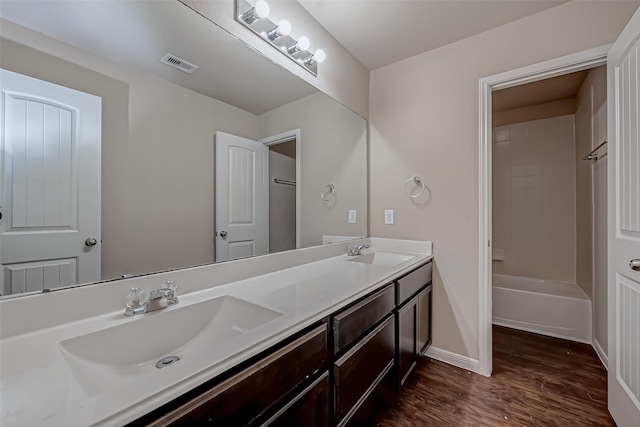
{"points": [[388, 216], [352, 216]]}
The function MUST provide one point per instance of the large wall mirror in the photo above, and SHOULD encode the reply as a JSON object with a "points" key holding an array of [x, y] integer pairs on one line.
{"points": [[237, 158]]}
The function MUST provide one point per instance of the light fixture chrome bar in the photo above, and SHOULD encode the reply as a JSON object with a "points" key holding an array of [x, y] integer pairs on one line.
{"points": [[284, 181], [310, 60], [250, 16], [272, 34], [592, 154]]}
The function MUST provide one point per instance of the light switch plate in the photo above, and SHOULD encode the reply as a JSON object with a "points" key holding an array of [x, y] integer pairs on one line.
{"points": [[352, 216], [388, 216]]}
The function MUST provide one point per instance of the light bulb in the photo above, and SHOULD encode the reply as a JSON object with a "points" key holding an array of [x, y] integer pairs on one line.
{"points": [[284, 27], [262, 9], [319, 56], [303, 43]]}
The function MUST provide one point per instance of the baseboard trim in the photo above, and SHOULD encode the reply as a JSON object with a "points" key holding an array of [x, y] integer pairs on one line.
{"points": [[601, 354], [462, 362]]}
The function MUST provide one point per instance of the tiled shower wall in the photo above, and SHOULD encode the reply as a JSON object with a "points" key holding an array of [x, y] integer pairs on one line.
{"points": [[534, 199]]}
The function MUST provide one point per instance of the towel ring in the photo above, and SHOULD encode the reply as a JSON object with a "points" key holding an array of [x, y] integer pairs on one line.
{"points": [[327, 191], [418, 181]]}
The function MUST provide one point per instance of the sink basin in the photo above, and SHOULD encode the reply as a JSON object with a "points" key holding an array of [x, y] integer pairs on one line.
{"points": [[385, 259], [152, 336]]}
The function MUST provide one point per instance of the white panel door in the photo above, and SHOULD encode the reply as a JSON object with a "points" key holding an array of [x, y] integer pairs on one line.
{"points": [[623, 72], [50, 189], [241, 225]]}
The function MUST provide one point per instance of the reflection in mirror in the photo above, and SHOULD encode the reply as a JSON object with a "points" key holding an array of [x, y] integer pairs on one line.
{"points": [[170, 168]]}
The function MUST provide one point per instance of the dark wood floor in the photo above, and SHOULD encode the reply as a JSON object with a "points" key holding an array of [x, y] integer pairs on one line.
{"points": [[536, 381]]}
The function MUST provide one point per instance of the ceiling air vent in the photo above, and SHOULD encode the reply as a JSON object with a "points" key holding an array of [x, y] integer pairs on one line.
{"points": [[180, 64]]}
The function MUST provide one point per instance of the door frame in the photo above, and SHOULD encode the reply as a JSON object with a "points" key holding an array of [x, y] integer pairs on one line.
{"points": [[579, 61], [274, 140]]}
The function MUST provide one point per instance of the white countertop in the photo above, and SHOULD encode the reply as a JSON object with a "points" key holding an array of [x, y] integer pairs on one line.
{"points": [[39, 387]]}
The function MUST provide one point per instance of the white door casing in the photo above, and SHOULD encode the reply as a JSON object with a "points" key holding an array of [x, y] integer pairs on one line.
{"points": [[623, 79], [548, 69], [50, 190], [241, 230]]}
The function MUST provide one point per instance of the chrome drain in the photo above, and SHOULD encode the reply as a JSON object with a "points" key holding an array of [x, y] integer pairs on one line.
{"points": [[166, 361]]}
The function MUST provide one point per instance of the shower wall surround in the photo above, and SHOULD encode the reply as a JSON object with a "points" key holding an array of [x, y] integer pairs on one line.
{"points": [[534, 198]]}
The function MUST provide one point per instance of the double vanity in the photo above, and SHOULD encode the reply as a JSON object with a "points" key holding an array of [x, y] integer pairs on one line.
{"points": [[307, 337]]}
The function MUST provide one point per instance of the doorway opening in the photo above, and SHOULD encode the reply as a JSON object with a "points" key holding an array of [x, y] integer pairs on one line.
{"points": [[549, 204], [521, 218], [283, 182]]}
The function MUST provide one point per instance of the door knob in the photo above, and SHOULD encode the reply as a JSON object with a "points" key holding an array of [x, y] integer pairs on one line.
{"points": [[635, 264], [223, 234], [91, 241]]}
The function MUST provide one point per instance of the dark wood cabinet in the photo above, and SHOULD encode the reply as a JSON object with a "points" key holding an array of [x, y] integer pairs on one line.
{"points": [[424, 320], [309, 409], [376, 402], [359, 370], [351, 323], [413, 319], [409, 285], [243, 398], [407, 318]]}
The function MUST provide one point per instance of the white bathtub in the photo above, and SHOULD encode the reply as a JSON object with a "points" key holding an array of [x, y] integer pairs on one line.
{"points": [[545, 307]]}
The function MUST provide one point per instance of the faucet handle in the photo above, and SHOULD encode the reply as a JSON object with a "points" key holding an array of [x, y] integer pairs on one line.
{"points": [[173, 294], [137, 298]]}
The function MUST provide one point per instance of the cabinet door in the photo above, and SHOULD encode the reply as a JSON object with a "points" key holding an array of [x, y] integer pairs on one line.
{"points": [[357, 373], [376, 404], [309, 409], [424, 320], [407, 338]]}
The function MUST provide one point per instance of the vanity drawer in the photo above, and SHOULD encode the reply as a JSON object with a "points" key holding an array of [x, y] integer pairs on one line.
{"points": [[356, 320], [309, 408], [358, 372], [239, 400], [408, 285]]}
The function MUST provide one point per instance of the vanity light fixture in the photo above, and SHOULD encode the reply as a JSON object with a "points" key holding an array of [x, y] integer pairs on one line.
{"points": [[259, 11], [282, 29], [254, 16]]}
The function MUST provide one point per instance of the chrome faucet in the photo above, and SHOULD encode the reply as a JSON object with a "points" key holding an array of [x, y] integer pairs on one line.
{"points": [[355, 250], [139, 302]]}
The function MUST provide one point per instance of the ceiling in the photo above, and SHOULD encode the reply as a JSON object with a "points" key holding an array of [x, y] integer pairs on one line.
{"points": [[135, 33], [377, 32], [540, 92], [380, 32]]}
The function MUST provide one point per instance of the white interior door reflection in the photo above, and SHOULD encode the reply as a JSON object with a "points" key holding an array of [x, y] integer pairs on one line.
{"points": [[50, 192], [241, 230]]}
